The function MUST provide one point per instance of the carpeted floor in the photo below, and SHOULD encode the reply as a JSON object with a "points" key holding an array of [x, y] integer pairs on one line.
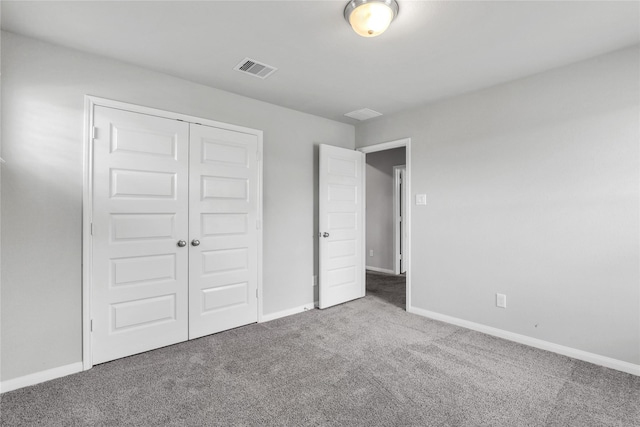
{"points": [[364, 363]]}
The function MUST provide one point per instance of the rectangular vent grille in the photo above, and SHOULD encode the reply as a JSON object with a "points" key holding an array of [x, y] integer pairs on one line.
{"points": [[363, 114], [255, 68]]}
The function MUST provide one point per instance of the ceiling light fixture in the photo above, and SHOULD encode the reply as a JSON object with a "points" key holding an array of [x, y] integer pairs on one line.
{"points": [[370, 18]]}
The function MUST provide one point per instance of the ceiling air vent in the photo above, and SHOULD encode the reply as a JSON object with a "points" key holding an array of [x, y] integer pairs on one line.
{"points": [[363, 114], [255, 68]]}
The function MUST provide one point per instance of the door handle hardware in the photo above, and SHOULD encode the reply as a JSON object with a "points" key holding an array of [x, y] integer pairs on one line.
{"points": [[195, 242], [325, 234], [182, 243]]}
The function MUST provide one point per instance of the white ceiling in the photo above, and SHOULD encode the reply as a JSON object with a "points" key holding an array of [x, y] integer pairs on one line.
{"points": [[434, 49]]}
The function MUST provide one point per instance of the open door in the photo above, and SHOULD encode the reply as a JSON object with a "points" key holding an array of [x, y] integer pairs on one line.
{"points": [[341, 237]]}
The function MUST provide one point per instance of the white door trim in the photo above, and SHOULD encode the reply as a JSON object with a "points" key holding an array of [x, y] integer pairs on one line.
{"points": [[87, 200], [398, 207], [404, 142]]}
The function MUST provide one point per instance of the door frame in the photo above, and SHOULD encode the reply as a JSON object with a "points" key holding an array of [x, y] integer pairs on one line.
{"points": [[406, 143], [399, 206], [87, 200]]}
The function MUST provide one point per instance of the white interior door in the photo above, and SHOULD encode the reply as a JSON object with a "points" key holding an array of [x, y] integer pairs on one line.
{"points": [[341, 240], [140, 200], [223, 271]]}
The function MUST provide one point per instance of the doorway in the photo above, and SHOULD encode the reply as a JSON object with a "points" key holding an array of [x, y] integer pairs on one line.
{"points": [[342, 225], [388, 213]]}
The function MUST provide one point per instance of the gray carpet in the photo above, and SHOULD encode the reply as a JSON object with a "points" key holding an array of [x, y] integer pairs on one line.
{"points": [[364, 363]]}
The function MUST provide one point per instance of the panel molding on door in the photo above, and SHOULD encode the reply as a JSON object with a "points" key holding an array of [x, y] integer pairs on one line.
{"points": [[341, 222], [223, 212], [139, 295]]}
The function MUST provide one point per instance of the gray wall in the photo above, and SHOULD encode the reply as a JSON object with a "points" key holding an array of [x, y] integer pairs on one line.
{"points": [[380, 206], [42, 123], [532, 191]]}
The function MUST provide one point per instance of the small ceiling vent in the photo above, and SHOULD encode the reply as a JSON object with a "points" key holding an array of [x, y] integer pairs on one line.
{"points": [[363, 114], [255, 68]]}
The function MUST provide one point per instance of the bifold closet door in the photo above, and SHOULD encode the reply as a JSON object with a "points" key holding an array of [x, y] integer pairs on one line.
{"points": [[140, 214], [223, 268]]}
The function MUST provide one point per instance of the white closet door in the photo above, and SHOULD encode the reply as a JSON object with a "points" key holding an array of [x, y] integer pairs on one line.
{"points": [[341, 221], [223, 270], [140, 202]]}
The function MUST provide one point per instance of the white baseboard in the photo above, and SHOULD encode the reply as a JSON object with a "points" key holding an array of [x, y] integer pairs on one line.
{"points": [[380, 270], [40, 377], [288, 312], [596, 359]]}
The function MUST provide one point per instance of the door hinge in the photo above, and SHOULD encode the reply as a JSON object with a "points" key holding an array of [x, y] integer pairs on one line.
{"points": [[256, 293], [91, 229], [94, 133], [91, 325]]}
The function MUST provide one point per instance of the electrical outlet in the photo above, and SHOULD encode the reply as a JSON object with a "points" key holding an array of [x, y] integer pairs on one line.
{"points": [[370, 252], [501, 300]]}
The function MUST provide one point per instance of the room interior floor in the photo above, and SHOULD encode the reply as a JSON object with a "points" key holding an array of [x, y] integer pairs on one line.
{"points": [[366, 362]]}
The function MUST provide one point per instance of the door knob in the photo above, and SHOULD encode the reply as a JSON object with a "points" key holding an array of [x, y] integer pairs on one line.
{"points": [[325, 234], [182, 243], [195, 242]]}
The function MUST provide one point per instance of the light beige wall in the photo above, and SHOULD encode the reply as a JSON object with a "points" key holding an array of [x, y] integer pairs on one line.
{"points": [[380, 183], [533, 191], [43, 88]]}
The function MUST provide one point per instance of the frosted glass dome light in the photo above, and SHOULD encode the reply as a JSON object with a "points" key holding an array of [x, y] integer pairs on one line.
{"points": [[370, 18]]}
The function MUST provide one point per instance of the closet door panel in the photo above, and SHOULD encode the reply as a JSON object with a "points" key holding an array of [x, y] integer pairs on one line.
{"points": [[223, 269], [139, 291]]}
